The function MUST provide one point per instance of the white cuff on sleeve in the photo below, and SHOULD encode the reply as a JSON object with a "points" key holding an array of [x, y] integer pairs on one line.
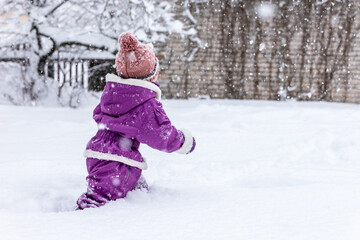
{"points": [[188, 143]]}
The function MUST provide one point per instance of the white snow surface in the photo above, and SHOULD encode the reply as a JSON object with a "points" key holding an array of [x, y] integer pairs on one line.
{"points": [[261, 171]]}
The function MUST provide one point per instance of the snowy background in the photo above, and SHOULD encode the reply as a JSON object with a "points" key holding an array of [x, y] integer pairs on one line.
{"points": [[261, 170], [264, 50]]}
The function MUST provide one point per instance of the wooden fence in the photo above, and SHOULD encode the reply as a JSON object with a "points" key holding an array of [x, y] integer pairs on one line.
{"points": [[86, 73], [21, 61]]}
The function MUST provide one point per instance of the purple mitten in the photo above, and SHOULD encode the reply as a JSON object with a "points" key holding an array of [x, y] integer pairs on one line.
{"points": [[193, 146]]}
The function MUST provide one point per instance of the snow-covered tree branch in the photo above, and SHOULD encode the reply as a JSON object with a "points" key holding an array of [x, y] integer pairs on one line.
{"points": [[37, 29]]}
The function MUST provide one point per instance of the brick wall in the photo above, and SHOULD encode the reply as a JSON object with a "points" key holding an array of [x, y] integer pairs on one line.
{"points": [[305, 51]]}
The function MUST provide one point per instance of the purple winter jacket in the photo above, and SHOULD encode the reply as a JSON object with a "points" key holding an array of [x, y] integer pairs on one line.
{"points": [[130, 113]]}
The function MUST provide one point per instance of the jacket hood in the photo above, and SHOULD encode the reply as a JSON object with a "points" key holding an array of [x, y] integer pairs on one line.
{"points": [[121, 95]]}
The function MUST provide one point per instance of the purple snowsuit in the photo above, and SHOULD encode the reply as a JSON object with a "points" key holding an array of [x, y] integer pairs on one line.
{"points": [[129, 113]]}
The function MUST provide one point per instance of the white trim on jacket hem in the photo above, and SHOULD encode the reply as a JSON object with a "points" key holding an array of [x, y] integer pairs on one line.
{"points": [[107, 156], [135, 82], [188, 143]]}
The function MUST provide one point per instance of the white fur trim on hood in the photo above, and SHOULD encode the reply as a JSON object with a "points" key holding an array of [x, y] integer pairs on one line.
{"points": [[135, 82], [188, 143], [107, 156]]}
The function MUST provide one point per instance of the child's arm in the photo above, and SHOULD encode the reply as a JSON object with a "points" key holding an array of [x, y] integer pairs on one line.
{"points": [[157, 131]]}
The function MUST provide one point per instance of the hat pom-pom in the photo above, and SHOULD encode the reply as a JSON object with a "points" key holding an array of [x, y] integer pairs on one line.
{"points": [[128, 42]]}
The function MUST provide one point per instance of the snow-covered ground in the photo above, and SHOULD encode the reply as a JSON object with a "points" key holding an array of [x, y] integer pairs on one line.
{"points": [[261, 171]]}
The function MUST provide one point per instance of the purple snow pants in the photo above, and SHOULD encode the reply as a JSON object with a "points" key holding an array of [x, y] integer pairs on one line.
{"points": [[107, 181]]}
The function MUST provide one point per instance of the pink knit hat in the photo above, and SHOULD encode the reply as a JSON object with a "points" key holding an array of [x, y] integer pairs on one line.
{"points": [[136, 60]]}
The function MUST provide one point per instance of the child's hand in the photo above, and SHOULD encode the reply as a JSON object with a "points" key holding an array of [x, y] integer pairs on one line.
{"points": [[193, 146]]}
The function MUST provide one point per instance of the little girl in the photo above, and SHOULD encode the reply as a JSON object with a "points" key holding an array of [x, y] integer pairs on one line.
{"points": [[129, 113]]}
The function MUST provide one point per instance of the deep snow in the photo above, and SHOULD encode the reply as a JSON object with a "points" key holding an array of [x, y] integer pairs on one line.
{"points": [[261, 171]]}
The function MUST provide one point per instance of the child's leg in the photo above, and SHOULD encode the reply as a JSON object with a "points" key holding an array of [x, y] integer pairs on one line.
{"points": [[107, 180], [141, 184]]}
